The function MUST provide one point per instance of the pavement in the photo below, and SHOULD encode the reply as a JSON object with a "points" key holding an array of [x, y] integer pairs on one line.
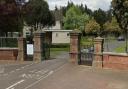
{"points": [[83, 77], [58, 73]]}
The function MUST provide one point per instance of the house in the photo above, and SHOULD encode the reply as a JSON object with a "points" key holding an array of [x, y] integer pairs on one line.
{"points": [[60, 36]]}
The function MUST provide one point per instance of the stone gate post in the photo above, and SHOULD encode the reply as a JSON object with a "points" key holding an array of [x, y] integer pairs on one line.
{"points": [[98, 52], [22, 49], [75, 37], [39, 38]]}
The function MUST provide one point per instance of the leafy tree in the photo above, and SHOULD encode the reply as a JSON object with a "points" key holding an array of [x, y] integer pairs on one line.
{"points": [[112, 27], [9, 17], [92, 27], [37, 14], [88, 11], [100, 16], [75, 19], [120, 9], [56, 8]]}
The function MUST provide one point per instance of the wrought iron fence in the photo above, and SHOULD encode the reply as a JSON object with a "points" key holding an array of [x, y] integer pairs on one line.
{"points": [[114, 44], [10, 42]]}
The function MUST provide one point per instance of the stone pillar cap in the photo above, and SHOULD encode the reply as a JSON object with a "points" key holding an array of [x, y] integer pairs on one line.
{"points": [[98, 38], [76, 31], [39, 31]]}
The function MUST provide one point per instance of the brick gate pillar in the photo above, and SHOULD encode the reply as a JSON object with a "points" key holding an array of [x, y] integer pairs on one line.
{"points": [[39, 38], [98, 52], [22, 49], [75, 37]]}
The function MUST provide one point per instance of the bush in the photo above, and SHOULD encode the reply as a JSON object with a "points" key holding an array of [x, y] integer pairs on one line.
{"points": [[60, 45]]}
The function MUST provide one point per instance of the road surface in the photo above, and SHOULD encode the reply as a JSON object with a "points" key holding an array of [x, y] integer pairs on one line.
{"points": [[25, 76]]}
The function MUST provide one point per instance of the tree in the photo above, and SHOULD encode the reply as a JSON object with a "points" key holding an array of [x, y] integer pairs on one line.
{"points": [[9, 17], [120, 9], [88, 11], [92, 27], [37, 14], [75, 19], [100, 16], [112, 26]]}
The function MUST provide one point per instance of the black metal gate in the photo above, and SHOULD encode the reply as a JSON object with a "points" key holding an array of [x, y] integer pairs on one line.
{"points": [[86, 55], [46, 51]]}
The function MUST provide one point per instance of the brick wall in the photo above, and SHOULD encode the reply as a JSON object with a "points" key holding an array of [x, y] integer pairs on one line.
{"points": [[8, 53], [115, 60]]}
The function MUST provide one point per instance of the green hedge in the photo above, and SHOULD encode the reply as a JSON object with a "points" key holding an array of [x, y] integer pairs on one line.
{"points": [[60, 45]]}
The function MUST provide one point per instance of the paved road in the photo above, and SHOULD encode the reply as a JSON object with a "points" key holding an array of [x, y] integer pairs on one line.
{"points": [[24, 76]]}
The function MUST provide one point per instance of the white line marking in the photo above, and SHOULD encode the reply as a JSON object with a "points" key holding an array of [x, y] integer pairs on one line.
{"points": [[2, 69], [11, 87], [39, 80], [41, 71], [12, 71], [5, 74], [32, 71], [22, 67], [17, 69], [51, 72]]}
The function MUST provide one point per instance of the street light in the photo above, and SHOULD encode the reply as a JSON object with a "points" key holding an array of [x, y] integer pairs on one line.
{"points": [[126, 29], [20, 3]]}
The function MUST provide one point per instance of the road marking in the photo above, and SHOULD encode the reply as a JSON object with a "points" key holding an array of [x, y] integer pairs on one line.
{"points": [[26, 65], [22, 67], [36, 75], [17, 69], [24, 75], [32, 71], [12, 71], [42, 71], [51, 72], [2, 69], [11, 87], [5, 74]]}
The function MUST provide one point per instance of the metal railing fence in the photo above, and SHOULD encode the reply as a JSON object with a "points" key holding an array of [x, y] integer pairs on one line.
{"points": [[8, 42]]}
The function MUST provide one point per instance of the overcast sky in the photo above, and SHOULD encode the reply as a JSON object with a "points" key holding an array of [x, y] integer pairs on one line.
{"points": [[92, 4]]}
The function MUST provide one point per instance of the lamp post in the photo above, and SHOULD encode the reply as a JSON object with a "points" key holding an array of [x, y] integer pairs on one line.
{"points": [[126, 29], [20, 3]]}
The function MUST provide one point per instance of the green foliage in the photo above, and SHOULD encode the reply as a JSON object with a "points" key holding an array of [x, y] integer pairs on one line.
{"points": [[120, 9], [84, 9], [75, 19], [121, 49], [112, 27], [37, 14], [86, 40], [92, 27], [60, 46], [100, 16]]}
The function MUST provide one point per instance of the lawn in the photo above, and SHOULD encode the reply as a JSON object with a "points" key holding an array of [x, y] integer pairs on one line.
{"points": [[121, 49], [86, 40], [56, 51]]}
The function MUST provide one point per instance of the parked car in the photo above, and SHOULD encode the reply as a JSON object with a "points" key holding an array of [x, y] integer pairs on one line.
{"points": [[121, 38]]}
